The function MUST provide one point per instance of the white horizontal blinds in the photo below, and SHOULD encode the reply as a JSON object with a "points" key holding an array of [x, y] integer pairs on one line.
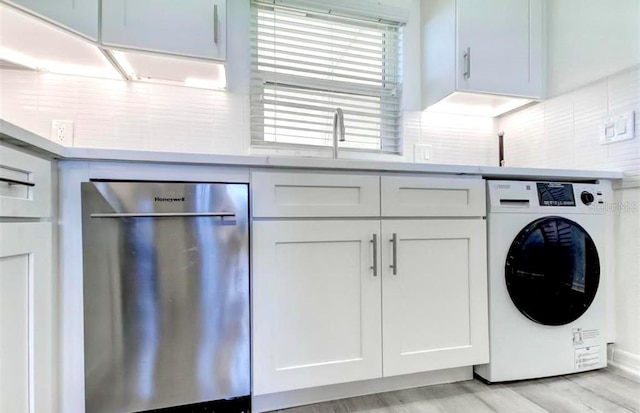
{"points": [[305, 64]]}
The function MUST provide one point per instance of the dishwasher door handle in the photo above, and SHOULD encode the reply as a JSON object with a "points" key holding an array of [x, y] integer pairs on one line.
{"points": [[163, 215]]}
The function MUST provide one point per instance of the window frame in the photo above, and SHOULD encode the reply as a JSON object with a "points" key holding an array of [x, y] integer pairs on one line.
{"points": [[389, 96]]}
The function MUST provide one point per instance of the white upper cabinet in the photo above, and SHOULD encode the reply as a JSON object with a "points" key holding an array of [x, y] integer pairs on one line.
{"points": [[500, 46], [493, 47], [195, 28], [79, 16]]}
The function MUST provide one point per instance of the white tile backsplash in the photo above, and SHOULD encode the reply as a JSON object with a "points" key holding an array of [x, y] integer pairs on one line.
{"points": [[126, 115], [144, 116], [460, 139], [525, 126], [560, 132], [589, 110], [564, 131]]}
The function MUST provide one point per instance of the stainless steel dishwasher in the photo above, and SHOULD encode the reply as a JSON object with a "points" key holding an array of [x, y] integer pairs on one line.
{"points": [[166, 296]]}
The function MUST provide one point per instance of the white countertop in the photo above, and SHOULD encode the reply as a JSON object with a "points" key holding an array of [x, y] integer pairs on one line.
{"points": [[20, 137]]}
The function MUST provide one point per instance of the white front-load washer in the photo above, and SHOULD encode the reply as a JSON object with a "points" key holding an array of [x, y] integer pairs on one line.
{"points": [[546, 289]]}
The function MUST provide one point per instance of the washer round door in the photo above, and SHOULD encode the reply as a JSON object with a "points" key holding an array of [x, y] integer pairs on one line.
{"points": [[552, 271]]}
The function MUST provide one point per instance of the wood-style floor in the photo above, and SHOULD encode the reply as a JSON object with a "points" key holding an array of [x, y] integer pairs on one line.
{"points": [[605, 391]]}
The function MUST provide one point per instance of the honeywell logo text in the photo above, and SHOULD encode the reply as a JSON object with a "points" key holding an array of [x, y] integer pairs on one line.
{"points": [[163, 199]]}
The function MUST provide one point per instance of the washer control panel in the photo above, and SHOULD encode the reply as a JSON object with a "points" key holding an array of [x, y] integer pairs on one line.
{"points": [[589, 195], [548, 197]]}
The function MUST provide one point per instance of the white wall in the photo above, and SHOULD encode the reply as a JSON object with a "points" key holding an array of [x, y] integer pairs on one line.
{"points": [[564, 132], [627, 282], [590, 39]]}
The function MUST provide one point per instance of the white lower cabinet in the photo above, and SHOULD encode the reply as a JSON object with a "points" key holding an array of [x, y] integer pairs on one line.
{"points": [[317, 314], [434, 295], [26, 318], [316, 304]]}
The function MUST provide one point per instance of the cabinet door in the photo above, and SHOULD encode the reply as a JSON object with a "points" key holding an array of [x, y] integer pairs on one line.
{"points": [[188, 27], [316, 304], [26, 318], [504, 41], [80, 16], [435, 302]]}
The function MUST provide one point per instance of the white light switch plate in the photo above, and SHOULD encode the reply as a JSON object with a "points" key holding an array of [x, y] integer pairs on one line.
{"points": [[618, 128], [422, 153]]}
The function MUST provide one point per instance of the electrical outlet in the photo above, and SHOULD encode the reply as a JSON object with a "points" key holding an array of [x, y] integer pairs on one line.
{"points": [[62, 132], [422, 153]]}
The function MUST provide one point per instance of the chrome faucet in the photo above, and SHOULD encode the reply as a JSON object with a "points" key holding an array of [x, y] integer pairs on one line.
{"points": [[338, 130]]}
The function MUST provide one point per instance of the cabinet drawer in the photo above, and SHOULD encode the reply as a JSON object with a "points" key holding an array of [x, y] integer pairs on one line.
{"points": [[301, 194], [410, 196], [25, 185]]}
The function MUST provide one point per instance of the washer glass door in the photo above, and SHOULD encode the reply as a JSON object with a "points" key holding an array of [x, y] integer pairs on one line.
{"points": [[552, 271]]}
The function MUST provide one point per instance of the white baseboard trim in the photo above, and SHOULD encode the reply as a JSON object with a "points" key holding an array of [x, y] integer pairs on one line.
{"points": [[625, 361], [283, 400]]}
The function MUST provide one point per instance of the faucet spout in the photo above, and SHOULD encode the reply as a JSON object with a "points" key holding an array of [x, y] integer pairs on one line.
{"points": [[338, 130]]}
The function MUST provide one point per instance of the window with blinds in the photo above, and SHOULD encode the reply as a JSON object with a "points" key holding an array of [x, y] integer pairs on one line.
{"points": [[307, 63]]}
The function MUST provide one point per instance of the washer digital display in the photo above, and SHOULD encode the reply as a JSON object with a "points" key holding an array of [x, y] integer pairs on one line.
{"points": [[555, 194]]}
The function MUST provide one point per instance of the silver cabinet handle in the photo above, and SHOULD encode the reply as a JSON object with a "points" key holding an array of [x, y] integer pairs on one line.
{"points": [[374, 267], [467, 64], [394, 243], [162, 214], [215, 23], [17, 182]]}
